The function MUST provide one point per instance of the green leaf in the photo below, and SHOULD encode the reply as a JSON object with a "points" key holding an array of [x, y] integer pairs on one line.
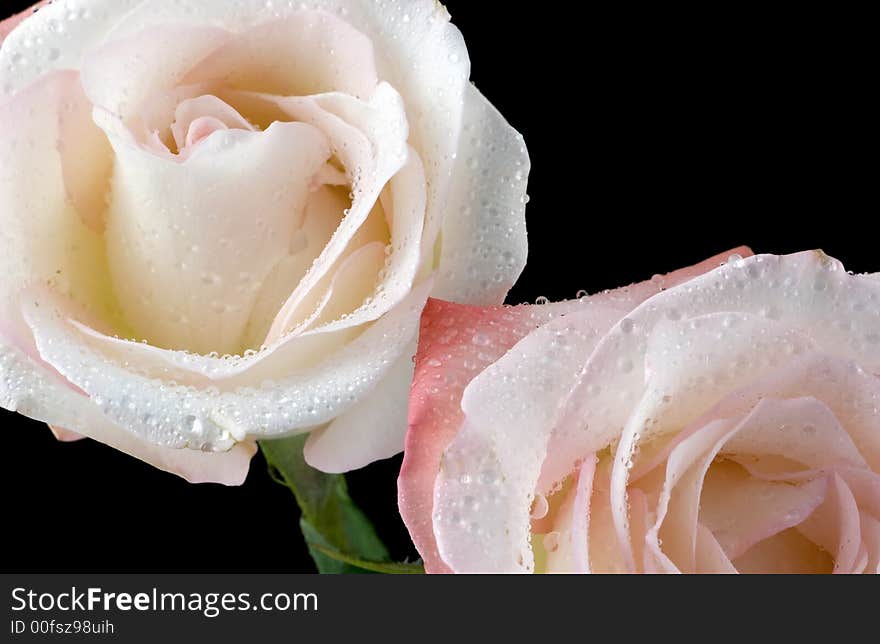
{"points": [[340, 537]]}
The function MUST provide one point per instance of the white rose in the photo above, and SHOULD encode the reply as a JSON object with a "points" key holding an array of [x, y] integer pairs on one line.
{"points": [[281, 184]]}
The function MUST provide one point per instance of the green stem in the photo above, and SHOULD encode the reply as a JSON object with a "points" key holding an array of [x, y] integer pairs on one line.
{"points": [[340, 537]]}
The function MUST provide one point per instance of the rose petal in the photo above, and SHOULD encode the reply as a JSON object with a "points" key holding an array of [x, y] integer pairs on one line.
{"points": [[372, 430], [870, 529], [6, 26], [190, 224], [369, 138], [835, 526], [845, 388], [323, 213], [406, 203], [124, 75], [629, 297], [788, 552], [741, 510], [352, 284], [605, 553], [863, 483], [45, 240], [308, 52], [214, 419], [434, 420], [342, 291], [483, 247], [800, 429], [28, 389], [710, 557], [766, 285], [573, 525], [65, 435], [678, 505], [510, 410], [759, 432], [64, 32], [190, 111]]}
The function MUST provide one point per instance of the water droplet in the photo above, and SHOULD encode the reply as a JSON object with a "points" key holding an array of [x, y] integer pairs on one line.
{"points": [[736, 260], [481, 339], [540, 506], [551, 541]]}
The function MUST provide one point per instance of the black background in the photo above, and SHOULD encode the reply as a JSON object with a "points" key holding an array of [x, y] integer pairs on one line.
{"points": [[657, 139]]}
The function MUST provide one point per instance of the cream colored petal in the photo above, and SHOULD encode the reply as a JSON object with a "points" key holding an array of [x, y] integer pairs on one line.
{"points": [[26, 387], [173, 415], [372, 430], [191, 225]]}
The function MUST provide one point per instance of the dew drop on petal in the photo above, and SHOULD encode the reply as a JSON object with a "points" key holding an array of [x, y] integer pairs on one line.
{"points": [[540, 506]]}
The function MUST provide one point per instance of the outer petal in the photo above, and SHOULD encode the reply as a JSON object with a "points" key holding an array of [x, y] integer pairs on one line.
{"points": [[510, 410], [372, 430], [65, 435], [65, 29], [175, 415], [434, 419], [6, 26], [85, 158], [28, 389], [124, 75], [45, 240], [483, 244]]}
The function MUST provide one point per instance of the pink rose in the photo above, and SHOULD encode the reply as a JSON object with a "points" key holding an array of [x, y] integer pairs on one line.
{"points": [[221, 220], [721, 419]]}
